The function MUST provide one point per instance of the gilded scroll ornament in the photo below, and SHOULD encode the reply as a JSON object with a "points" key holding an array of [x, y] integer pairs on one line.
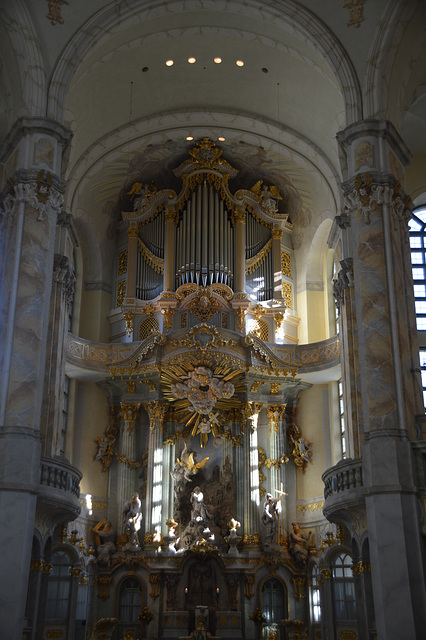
{"points": [[156, 263], [129, 317], [156, 411], [122, 263], [253, 263], [279, 319], [287, 295], [121, 292], [168, 314], [301, 448], [286, 264], [240, 316]]}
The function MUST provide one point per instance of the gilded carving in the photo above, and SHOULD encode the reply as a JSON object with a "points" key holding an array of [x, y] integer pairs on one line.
{"points": [[276, 233], [104, 583], [287, 295], [348, 635], [129, 317], [249, 581], [356, 8], [258, 259], [168, 314], [313, 506], [299, 587], [279, 319], [240, 316], [156, 410], [300, 448], [122, 263], [52, 634], [156, 263], [154, 579], [286, 264], [55, 8], [129, 412], [121, 292]]}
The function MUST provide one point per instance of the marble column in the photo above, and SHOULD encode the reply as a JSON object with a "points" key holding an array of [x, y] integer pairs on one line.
{"points": [[155, 491], [126, 476], [380, 354]]}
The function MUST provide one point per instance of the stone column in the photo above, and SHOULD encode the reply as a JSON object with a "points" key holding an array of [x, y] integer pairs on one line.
{"points": [[276, 235], [169, 250], [377, 308], [125, 480], [240, 250], [28, 218], [249, 464], [132, 233], [154, 494]]}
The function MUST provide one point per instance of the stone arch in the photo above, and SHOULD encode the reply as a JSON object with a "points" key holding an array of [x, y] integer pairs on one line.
{"points": [[32, 78], [287, 13], [382, 57]]}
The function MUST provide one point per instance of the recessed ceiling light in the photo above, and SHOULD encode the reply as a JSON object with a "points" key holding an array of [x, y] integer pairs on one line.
{"points": [[217, 60], [144, 69], [221, 139], [189, 138], [239, 63], [265, 70], [192, 60], [169, 63]]}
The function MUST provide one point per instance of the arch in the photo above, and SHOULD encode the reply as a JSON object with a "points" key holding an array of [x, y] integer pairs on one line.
{"points": [[21, 32], [382, 57], [287, 13], [273, 599]]}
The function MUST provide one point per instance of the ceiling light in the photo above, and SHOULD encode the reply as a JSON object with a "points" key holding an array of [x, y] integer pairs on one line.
{"points": [[239, 63], [192, 60], [169, 63], [217, 60], [189, 138], [221, 139]]}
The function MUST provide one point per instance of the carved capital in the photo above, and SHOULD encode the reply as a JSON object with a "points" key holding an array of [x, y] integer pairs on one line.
{"points": [[344, 220], [171, 215], [129, 412], [132, 231], [156, 410], [276, 233], [154, 579], [239, 215]]}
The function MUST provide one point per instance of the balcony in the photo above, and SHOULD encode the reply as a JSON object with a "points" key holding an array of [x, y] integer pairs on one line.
{"points": [[59, 491], [343, 487]]}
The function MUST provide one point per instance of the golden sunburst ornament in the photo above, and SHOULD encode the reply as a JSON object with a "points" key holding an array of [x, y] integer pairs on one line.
{"points": [[199, 393]]}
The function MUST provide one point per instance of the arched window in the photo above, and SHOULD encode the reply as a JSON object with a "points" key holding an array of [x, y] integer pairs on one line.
{"points": [[417, 226], [274, 603], [129, 600], [344, 602], [314, 595], [59, 586]]}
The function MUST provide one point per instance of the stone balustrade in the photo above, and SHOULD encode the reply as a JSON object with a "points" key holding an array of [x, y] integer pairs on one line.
{"points": [[343, 486], [59, 490]]}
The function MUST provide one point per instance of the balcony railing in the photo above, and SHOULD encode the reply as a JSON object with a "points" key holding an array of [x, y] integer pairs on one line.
{"points": [[59, 490], [60, 475], [343, 485]]}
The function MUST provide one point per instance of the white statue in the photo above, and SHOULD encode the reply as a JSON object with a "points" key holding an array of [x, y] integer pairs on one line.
{"points": [[132, 517], [271, 511], [199, 510]]}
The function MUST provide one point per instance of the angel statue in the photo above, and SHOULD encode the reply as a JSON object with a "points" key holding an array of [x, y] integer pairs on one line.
{"points": [[187, 466], [267, 196]]}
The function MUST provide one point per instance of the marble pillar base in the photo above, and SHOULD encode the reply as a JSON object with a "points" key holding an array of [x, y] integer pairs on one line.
{"points": [[19, 481]]}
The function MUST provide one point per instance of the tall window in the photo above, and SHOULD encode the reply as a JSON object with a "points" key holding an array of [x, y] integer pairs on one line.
{"points": [[65, 399], [130, 600], [342, 420], [273, 601], [343, 587], [417, 227], [59, 587], [314, 595]]}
